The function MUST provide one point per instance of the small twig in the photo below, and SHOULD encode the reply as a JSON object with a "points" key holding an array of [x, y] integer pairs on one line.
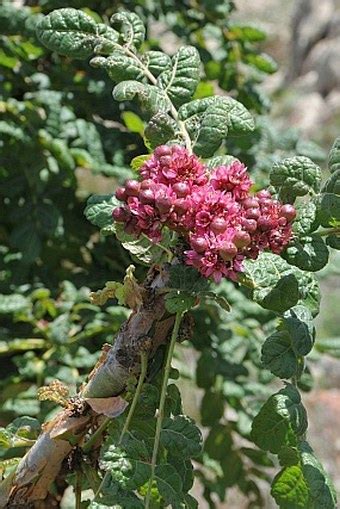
{"points": [[161, 405], [94, 437], [329, 231]]}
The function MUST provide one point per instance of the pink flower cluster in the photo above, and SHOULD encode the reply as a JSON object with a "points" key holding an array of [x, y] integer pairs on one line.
{"points": [[213, 211]]}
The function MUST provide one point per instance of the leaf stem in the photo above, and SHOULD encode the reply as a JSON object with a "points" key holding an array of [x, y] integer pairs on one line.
{"points": [[99, 431], [144, 366], [173, 111], [161, 405]]}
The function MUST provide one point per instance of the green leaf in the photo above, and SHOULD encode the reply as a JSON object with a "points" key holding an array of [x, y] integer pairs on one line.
{"points": [[119, 66], [278, 355], [187, 279], [321, 490], [216, 161], [290, 489], [181, 437], [142, 248], [218, 443], [298, 322], [247, 33], [216, 115], [131, 28], [150, 97], [156, 61], [308, 253], [329, 210], [133, 122], [181, 80], [309, 292], [295, 176], [176, 301], [160, 129], [99, 209], [274, 284], [332, 184], [310, 149], [138, 161], [169, 484], [305, 221], [281, 421], [334, 157], [262, 62], [333, 241], [13, 303], [331, 346], [26, 238], [73, 33], [212, 407], [219, 299]]}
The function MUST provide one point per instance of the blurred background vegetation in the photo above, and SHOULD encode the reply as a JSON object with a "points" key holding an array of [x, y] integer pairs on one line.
{"points": [[62, 138]]}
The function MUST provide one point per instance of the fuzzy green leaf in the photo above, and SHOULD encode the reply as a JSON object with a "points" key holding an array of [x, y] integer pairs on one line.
{"points": [[278, 355], [298, 322], [131, 28], [160, 129], [176, 301], [180, 436], [275, 285], [334, 157], [119, 66], [181, 80], [216, 115], [151, 98], [290, 489], [295, 176], [73, 33], [156, 61], [329, 211], [333, 241], [332, 184], [305, 221], [99, 209], [281, 421], [187, 279], [13, 303], [308, 253], [169, 485]]}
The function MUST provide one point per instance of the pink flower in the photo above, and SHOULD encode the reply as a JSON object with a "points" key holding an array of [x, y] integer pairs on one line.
{"points": [[217, 217]]}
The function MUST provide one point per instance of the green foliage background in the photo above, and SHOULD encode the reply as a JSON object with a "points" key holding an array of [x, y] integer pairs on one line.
{"points": [[58, 126]]}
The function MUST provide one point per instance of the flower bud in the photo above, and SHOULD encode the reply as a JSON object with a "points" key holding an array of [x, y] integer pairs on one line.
{"points": [[120, 214], [264, 223], [263, 194], [250, 225], [241, 239], [218, 225], [120, 193], [146, 197], [181, 189], [288, 211], [180, 206], [228, 251], [132, 187], [199, 244], [251, 203], [163, 150], [163, 203], [253, 213], [146, 184]]}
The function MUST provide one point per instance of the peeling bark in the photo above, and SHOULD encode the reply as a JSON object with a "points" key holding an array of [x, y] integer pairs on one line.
{"points": [[146, 329]]}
